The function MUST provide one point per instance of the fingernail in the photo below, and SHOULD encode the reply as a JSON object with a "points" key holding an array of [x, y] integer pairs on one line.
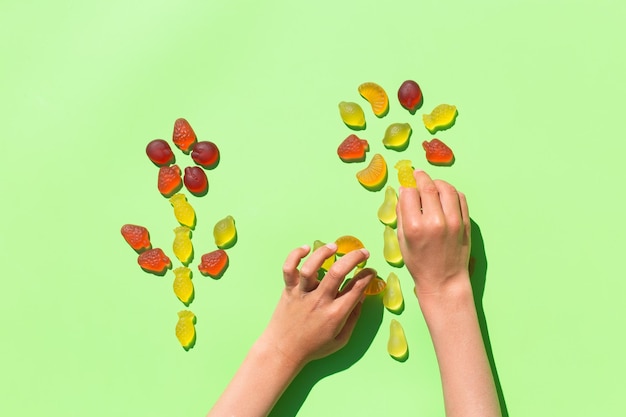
{"points": [[418, 170], [365, 252], [332, 246], [305, 247]]}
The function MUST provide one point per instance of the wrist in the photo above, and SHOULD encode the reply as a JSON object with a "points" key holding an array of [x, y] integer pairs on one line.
{"points": [[269, 349], [454, 296]]}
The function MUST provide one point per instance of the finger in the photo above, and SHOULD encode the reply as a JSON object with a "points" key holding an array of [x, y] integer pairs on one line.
{"points": [[337, 273], [290, 267], [467, 222], [409, 213], [428, 193], [308, 272], [354, 290], [450, 204], [348, 327]]}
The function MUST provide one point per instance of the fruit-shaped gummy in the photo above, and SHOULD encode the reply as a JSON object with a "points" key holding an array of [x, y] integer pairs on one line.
{"points": [[397, 136], [405, 174], [225, 233], [206, 154], [376, 96], [438, 153], [196, 181], [387, 210], [442, 117], [183, 136], [353, 149], [392, 298], [159, 152], [329, 261], [352, 115], [375, 287], [183, 211], [391, 248], [213, 263], [183, 249], [183, 287], [374, 176], [169, 180], [136, 236], [185, 329], [154, 260], [348, 243], [410, 95], [396, 345]]}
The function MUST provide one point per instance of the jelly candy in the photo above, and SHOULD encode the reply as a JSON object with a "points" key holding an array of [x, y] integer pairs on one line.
{"points": [[377, 98], [169, 180], [185, 329], [183, 211], [347, 243], [225, 233], [159, 152], [329, 261], [183, 287], [136, 236], [206, 154], [397, 136], [196, 181], [183, 136], [405, 174], [352, 115], [438, 153], [442, 117], [183, 249], [214, 263], [154, 260], [397, 346], [391, 248], [375, 287], [387, 210], [410, 96], [374, 176], [353, 149], [392, 298]]}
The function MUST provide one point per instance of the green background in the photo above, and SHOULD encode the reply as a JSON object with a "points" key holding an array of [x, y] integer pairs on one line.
{"points": [[539, 143]]}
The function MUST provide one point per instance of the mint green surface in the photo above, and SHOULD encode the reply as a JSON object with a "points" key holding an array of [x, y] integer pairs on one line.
{"points": [[539, 143]]}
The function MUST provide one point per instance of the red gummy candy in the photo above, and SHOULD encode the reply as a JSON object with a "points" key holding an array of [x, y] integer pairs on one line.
{"points": [[159, 152], [196, 180], [353, 149], [136, 236], [154, 260], [169, 180], [214, 263], [410, 95], [438, 153], [184, 137], [205, 154]]}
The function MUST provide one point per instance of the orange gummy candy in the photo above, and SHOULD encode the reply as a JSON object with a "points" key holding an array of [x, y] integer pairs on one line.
{"points": [[184, 137], [214, 263], [169, 180], [353, 149], [438, 153], [136, 236], [347, 243], [374, 176], [376, 96], [154, 260], [376, 286]]}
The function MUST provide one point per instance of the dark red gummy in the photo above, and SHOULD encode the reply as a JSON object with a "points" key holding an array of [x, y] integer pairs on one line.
{"points": [[205, 154], [410, 95], [196, 180], [169, 180], [159, 152]]}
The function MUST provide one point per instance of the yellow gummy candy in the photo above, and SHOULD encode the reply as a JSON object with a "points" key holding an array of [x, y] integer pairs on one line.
{"points": [[352, 115], [405, 174], [391, 249], [225, 233], [183, 211], [397, 136], [183, 287], [329, 261], [441, 118], [185, 329], [397, 346], [182, 246], [387, 211], [392, 298]]}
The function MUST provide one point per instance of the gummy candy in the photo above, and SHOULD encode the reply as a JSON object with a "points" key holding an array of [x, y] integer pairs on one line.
{"points": [[387, 210], [353, 149], [391, 248], [397, 346], [375, 287], [183, 249], [352, 115], [154, 260], [136, 236], [206, 154], [374, 176], [196, 180], [438, 153], [213, 263], [183, 211], [159, 152], [329, 261], [225, 233], [405, 174], [183, 136], [169, 180], [185, 329], [183, 287], [410, 96], [376, 96], [442, 117], [347, 243], [392, 298], [397, 136]]}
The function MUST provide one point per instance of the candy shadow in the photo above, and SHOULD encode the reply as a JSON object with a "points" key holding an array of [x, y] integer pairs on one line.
{"points": [[362, 337], [356, 127], [478, 279], [402, 358], [398, 310], [193, 341], [230, 243]]}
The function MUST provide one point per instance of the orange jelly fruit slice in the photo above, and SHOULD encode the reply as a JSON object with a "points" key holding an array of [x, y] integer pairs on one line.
{"points": [[376, 96], [374, 176], [348, 243], [375, 287]]}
